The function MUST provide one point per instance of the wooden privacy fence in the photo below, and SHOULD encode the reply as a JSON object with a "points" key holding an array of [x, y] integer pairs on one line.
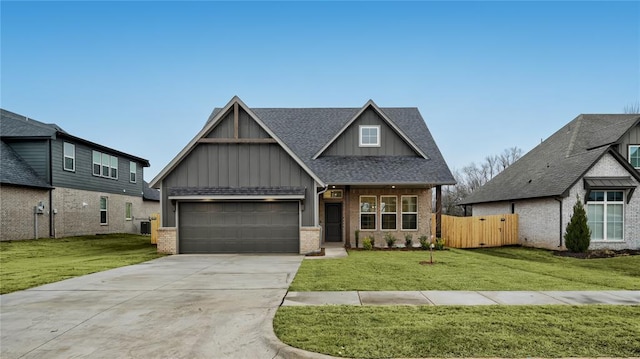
{"points": [[478, 231], [155, 224]]}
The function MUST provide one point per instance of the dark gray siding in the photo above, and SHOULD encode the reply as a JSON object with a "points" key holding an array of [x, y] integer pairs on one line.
{"points": [[632, 137], [83, 177], [391, 144], [238, 165], [247, 127], [35, 153]]}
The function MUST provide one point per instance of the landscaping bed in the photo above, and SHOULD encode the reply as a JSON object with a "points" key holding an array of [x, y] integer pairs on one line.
{"points": [[599, 253], [30, 263]]}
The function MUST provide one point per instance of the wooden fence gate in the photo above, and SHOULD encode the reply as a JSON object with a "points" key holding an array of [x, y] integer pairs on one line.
{"points": [[155, 224], [478, 231]]}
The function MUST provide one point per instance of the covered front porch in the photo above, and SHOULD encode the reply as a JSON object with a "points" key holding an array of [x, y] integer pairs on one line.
{"points": [[374, 211]]}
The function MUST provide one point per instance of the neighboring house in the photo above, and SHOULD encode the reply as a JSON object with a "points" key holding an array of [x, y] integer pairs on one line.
{"points": [[593, 159], [53, 184], [289, 179]]}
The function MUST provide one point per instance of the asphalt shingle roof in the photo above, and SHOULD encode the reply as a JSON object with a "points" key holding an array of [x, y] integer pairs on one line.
{"points": [[149, 193], [14, 125], [15, 171], [551, 168], [306, 130]]}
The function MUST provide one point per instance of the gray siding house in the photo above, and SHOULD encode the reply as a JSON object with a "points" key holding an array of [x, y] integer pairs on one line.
{"points": [[594, 159], [287, 180], [54, 184]]}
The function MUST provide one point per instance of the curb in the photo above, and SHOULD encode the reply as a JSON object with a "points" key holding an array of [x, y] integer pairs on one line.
{"points": [[284, 351]]}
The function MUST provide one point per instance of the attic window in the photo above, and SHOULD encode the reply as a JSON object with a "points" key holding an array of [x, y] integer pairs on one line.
{"points": [[369, 136]]}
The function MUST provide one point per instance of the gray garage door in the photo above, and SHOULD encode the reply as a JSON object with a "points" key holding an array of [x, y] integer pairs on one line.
{"points": [[239, 227]]}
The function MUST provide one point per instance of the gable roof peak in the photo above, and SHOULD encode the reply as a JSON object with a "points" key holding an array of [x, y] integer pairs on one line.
{"points": [[385, 118]]}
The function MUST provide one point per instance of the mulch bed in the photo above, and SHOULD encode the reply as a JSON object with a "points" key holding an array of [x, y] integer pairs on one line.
{"points": [[599, 253]]}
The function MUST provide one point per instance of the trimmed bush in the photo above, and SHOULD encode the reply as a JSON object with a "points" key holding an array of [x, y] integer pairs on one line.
{"points": [[408, 240], [367, 243], [578, 234], [390, 239]]}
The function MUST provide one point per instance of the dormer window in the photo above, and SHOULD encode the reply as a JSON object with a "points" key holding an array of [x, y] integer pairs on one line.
{"points": [[634, 156], [369, 136]]}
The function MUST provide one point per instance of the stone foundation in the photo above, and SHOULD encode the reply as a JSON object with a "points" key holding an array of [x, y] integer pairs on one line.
{"points": [[167, 240]]}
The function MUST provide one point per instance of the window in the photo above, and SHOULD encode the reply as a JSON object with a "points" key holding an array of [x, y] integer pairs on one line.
{"points": [[127, 211], [114, 167], [103, 210], [409, 212], [605, 215], [634, 156], [132, 171], [368, 212], [105, 165], [96, 163], [388, 212], [69, 156], [369, 136]]}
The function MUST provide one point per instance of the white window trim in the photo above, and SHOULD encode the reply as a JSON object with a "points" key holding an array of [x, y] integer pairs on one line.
{"points": [[383, 213], [130, 217], [109, 166], [360, 213], [362, 127], [604, 216], [106, 210], [629, 154], [402, 212], [64, 157], [135, 173]]}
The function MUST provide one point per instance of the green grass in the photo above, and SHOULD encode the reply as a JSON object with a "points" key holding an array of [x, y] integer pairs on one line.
{"points": [[507, 268], [29, 263], [496, 331]]}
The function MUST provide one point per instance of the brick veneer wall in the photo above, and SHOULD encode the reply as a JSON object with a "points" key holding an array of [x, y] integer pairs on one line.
{"points": [[539, 218], [309, 239], [79, 212], [16, 212], [167, 240], [424, 214]]}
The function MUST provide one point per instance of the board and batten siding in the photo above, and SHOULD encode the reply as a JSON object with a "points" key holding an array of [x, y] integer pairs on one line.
{"points": [[348, 144], [35, 153], [247, 127], [632, 137], [83, 177], [238, 165]]}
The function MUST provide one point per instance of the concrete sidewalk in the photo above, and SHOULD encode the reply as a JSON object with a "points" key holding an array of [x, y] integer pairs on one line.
{"points": [[620, 297]]}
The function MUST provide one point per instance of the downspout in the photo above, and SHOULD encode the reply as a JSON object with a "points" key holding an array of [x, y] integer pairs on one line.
{"points": [[560, 220], [52, 220]]}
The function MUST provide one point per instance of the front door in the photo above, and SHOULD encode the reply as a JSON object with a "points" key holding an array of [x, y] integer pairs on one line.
{"points": [[333, 222]]}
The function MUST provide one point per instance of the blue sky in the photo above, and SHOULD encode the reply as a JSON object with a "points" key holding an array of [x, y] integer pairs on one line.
{"points": [[142, 77]]}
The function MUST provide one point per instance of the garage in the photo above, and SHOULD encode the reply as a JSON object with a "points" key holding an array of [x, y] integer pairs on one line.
{"points": [[239, 227]]}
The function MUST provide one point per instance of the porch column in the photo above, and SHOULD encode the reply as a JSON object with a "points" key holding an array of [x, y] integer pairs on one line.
{"points": [[438, 211]]}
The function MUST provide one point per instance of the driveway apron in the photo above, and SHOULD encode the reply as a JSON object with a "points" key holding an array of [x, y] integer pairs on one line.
{"points": [[184, 306]]}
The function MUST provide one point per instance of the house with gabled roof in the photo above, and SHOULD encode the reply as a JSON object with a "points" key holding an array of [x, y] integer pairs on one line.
{"points": [[55, 184], [289, 180], [594, 159]]}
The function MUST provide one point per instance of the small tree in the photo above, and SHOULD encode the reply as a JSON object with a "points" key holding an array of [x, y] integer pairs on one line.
{"points": [[578, 235]]}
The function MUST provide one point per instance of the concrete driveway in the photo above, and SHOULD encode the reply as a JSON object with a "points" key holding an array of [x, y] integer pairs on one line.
{"points": [[185, 306]]}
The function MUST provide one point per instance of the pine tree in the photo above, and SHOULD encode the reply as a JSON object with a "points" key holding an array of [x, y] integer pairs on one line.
{"points": [[578, 234]]}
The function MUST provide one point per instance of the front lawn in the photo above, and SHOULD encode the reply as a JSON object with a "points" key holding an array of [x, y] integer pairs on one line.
{"points": [[29, 263], [494, 331], [506, 268]]}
